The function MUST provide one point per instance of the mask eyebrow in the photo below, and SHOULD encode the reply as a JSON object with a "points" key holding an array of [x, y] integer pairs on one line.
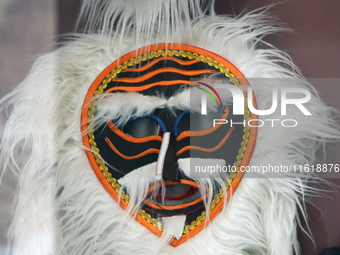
{"points": [[175, 131], [124, 106]]}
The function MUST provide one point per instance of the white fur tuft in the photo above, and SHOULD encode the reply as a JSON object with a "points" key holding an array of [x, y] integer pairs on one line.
{"points": [[173, 226], [63, 209], [144, 19]]}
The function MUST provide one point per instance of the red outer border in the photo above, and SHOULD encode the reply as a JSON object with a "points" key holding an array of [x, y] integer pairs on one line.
{"points": [[98, 172]]}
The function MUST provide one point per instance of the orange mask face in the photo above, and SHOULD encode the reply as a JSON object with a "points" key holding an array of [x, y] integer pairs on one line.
{"points": [[167, 135]]}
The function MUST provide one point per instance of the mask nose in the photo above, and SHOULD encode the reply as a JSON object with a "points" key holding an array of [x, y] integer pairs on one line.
{"points": [[167, 166]]}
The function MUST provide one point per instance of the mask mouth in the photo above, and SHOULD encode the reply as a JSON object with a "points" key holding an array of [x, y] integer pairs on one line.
{"points": [[176, 193], [179, 197]]}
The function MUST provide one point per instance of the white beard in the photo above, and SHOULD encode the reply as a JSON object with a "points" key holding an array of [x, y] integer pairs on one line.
{"points": [[63, 209]]}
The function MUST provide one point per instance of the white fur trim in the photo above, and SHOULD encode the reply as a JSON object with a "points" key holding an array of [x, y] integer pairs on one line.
{"points": [[147, 171], [66, 209]]}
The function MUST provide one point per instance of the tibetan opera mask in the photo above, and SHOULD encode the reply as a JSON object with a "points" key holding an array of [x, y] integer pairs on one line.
{"points": [[152, 148]]}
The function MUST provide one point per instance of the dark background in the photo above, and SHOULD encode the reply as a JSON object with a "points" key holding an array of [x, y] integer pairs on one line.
{"points": [[31, 27]]}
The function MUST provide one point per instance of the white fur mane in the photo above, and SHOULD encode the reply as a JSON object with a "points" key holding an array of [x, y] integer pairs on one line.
{"points": [[63, 209]]}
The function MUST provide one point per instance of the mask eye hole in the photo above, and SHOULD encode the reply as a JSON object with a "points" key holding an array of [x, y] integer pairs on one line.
{"points": [[188, 121], [145, 126]]}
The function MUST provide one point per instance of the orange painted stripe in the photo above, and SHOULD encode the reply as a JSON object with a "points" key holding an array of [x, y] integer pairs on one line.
{"points": [[204, 149], [148, 151], [159, 83], [150, 64], [118, 132], [202, 132], [163, 70]]}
